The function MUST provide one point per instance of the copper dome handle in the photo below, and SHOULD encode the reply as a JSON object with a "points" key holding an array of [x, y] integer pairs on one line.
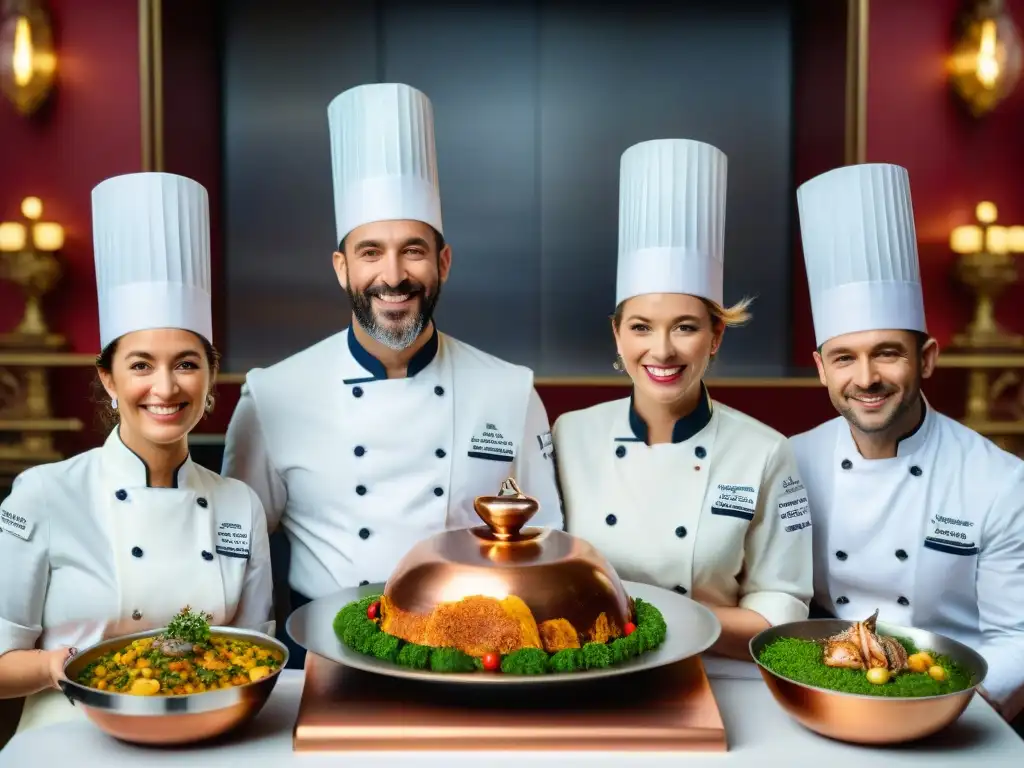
{"points": [[506, 513]]}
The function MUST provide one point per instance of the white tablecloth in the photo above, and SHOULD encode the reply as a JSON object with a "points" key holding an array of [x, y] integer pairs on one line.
{"points": [[759, 733]]}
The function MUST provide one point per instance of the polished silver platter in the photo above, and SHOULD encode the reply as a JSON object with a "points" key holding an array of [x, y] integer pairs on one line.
{"points": [[691, 630]]}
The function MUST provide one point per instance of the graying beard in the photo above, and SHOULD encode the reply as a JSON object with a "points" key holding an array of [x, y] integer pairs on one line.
{"points": [[396, 340]]}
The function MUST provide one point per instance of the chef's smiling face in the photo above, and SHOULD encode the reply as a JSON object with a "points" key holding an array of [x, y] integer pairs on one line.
{"points": [[161, 379], [874, 377], [392, 272], [666, 341]]}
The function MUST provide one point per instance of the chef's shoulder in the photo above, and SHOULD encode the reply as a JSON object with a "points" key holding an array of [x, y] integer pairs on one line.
{"points": [[278, 384], [755, 436], [585, 425], [978, 461], [816, 444], [48, 494], [468, 356]]}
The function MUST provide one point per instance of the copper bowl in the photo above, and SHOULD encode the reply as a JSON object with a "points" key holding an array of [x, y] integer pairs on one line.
{"points": [[557, 575], [167, 720], [861, 718]]}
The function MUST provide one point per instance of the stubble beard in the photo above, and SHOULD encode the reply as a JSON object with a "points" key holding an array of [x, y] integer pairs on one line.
{"points": [[911, 397]]}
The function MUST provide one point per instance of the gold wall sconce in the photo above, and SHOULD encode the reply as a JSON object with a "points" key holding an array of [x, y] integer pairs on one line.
{"points": [[986, 264], [28, 259], [27, 59], [986, 61]]}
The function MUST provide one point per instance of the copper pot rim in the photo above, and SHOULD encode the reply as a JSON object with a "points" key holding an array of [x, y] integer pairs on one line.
{"points": [[962, 654], [131, 705]]}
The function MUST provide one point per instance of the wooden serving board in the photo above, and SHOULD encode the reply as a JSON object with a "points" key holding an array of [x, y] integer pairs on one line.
{"points": [[670, 709]]}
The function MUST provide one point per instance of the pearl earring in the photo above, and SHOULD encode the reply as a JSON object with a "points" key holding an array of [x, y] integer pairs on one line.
{"points": [[113, 403], [618, 365], [209, 403]]}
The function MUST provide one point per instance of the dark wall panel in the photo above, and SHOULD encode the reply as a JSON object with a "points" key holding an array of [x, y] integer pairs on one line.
{"points": [[534, 104]]}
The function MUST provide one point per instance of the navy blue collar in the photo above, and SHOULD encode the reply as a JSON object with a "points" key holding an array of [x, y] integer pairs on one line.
{"points": [[685, 428], [423, 357], [130, 469]]}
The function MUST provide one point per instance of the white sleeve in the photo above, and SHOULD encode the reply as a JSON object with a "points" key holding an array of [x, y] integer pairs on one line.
{"points": [[1000, 589], [256, 603], [777, 579], [534, 466], [24, 562], [247, 458]]}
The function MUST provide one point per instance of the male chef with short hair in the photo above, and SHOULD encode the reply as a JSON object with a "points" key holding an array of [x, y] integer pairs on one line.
{"points": [[384, 433], [915, 515]]}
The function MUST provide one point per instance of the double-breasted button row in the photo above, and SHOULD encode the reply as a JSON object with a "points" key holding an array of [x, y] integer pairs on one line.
{"points": [[915, 470], [901, 554], [680, 589], [122, 495], [364, 533], [361, 490], [137, 552], [700, 452], [843, 600]]}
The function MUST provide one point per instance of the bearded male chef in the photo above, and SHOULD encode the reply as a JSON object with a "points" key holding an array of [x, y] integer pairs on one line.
{"points": [[915, 515], [384, 433]]}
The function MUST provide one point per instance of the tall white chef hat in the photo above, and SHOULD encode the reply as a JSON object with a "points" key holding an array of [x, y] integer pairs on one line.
{"points": [[671, 219], [383, 157], [860, 251], [151, 237]]}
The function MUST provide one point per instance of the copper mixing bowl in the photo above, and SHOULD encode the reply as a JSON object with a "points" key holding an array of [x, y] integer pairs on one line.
{"points": [[164, 720], [866, 719], [557, 575]]}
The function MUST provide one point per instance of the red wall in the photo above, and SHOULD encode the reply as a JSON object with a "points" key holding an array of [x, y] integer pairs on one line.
{"points": [[89, 130], [954, 160]]}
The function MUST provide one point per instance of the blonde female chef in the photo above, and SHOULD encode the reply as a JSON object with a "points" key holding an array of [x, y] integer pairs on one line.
{"points": [[122, 537], [675, 489]]}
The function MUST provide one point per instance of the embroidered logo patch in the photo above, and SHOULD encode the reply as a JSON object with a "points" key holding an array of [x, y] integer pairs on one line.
{"points": [[16, 525], [735, 501], [547, 445], [794, 509], [488, 442], [951, 535], [232, 540]]}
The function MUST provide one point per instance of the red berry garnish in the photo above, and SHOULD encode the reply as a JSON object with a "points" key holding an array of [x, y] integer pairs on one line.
{"points": [[630, 628], [492, 662], [373, 610]]}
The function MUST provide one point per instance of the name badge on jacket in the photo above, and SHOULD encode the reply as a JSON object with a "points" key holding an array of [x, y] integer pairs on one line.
{"points": [[739, 501], [951, 535], [16, 525], [234, 524], [489, 442]]}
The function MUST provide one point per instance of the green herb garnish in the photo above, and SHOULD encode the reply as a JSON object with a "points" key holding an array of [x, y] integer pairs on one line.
{"points": [[363, 635], [803, 662], [190, 627]]}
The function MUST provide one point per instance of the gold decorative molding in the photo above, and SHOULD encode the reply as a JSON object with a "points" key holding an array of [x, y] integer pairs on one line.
{"points": [[151, 84], [857, 25]]}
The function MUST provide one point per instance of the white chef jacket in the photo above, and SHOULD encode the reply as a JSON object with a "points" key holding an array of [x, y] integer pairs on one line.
{"points": [[358, 467], [932, 538], [719, 514], [89, 551]]}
